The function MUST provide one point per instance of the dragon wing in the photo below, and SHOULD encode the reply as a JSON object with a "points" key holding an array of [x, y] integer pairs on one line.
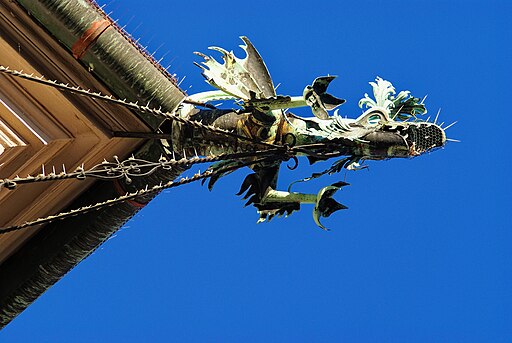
{"points": [[246, 78], [257, 68]]}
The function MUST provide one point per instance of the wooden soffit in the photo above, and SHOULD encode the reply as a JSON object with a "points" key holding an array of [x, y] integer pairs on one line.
{"points": [[40, 125]]}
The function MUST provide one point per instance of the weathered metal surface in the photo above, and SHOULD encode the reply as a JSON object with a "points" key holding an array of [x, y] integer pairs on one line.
{"points": [[390, 127], [113, 57], [89, 37]]}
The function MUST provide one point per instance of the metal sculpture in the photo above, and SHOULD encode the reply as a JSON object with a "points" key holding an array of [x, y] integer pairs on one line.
{"points": [[261, 133], [389, 128]]}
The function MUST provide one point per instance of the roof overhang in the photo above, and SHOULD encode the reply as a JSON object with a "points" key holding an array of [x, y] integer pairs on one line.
{"points": [[41, 125]]}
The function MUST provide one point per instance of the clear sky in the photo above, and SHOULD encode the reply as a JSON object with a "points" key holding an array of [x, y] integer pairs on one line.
{"points": [[422, 255]]}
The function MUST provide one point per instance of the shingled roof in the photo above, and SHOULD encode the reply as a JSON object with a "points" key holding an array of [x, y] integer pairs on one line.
{"points": [[76, 42]]}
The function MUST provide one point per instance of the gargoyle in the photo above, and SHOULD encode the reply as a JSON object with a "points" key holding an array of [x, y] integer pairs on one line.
{"points": [[388, 128]]}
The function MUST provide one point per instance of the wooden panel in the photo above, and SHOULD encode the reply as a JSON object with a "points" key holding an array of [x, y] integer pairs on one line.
{"points": [[41, 125]]}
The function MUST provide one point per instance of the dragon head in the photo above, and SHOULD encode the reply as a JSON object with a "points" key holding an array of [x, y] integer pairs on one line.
{"points": [[389, 128], [392, 139]]}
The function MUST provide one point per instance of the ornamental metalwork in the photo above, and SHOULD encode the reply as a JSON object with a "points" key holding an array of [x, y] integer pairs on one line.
{"points": [[260, 133]]}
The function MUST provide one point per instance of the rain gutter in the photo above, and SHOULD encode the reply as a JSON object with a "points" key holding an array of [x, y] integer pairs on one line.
{"points": [[108, 52]]}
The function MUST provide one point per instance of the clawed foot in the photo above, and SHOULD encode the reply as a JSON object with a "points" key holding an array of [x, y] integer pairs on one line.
{"points": [[326, 205], [284, 203]]}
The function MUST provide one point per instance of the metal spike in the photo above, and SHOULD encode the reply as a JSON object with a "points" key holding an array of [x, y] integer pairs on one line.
{"points": [[397, 112], [446, 128], [206, 58], [437, 116], [183, 79]]}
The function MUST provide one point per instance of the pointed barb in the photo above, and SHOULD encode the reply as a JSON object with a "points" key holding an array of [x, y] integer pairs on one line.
{"points": [[446, 128], [437, 116]]}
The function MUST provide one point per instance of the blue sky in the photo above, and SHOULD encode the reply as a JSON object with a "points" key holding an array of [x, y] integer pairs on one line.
{"points": [[424, 252]]}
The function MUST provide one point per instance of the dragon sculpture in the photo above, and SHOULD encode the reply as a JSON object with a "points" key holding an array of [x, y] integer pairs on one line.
{"points": [[261, 133], [389, 128]]}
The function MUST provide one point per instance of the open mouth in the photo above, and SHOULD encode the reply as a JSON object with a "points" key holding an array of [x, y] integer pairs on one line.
{"points": [[409, 141], [424, 137]]}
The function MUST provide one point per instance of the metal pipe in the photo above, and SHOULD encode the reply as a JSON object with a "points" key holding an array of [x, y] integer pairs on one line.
{"points": [[108, 52]]}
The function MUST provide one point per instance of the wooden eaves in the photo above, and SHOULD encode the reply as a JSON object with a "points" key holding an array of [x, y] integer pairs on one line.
{"points": [[73, 42]]}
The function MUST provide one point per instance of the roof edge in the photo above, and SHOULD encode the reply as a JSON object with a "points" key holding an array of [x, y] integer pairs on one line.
{"points": [[108, 52], [131, 74], [59, 246]]}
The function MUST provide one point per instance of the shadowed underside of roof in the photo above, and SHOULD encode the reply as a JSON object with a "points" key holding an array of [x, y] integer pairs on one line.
{"points": [[85, 33]]}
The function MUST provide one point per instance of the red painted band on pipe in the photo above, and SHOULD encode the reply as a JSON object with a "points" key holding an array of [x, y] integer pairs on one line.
{"points": [[89, 37]]}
